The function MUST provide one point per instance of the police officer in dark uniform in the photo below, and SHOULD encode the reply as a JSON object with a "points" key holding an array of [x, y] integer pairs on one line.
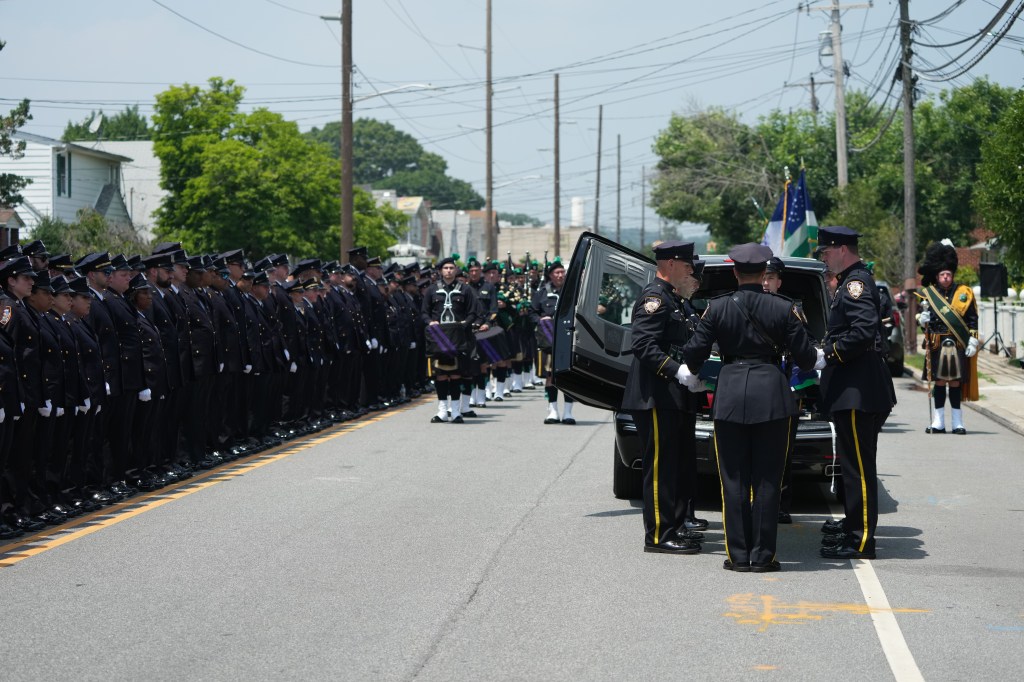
{"points": [[753, 404], [856, 390], [663, 410]]}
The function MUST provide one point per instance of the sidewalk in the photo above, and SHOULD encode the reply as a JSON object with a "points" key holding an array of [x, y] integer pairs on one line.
{"points": [[1001, 386]]}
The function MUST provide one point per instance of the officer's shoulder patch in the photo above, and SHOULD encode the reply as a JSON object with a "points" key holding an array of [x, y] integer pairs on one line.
{"points": [[856, 288], [652, 304], [5, 315], [963, 298]]}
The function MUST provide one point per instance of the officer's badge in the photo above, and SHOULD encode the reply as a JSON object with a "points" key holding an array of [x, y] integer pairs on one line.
{"points": [[856, 288], [5, 315], [963, 298], [651, 304]]}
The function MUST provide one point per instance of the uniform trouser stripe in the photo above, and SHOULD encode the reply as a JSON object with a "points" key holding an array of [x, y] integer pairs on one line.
{"points": [[721, 488], [657, 452], [863, 482]]}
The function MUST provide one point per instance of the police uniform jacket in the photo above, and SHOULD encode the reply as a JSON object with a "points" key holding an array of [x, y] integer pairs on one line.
{"points": [[487, 294], [752, 387], [75, 390], [377, 316], [174, 303], [202, 334], [229, 336], [51, 361], [544, 302], [101, 322], [129, 339], [22, 330], [464, 306], [10, 393], [261, 338], [344, 325], [90, 360], [855, 376], [163, 318], [153, 363], [288, 316], [315, 337], [659, 332]]}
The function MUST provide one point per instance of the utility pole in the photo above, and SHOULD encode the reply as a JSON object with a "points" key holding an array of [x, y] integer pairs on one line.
{"points": [[618, 188], [814, 98], [490, 228], [838, 68], [643, 207], [558, 188], [909, 188], [347, 206], [597, 191]]}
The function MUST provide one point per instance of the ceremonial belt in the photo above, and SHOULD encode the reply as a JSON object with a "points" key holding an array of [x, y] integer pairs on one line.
{"points": [[750, 360], [949, 316]]}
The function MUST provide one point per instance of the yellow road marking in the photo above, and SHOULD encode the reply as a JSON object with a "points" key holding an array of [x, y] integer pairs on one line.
{"points": [[764, 610], [53, 537]]}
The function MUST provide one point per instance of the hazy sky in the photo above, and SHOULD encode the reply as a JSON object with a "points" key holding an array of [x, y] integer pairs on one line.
{"points": [[641, 60]]}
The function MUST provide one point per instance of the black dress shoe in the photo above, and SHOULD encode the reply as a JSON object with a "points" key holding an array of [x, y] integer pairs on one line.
{"points": [[785, 518], [960, 431], [570, 421], [836, 540], [691, 535], [437, 420], [552, 420], [831, 527], [8, 532], [50, 518], [102, 497], [673, 547], [695, 524], [770, 567], [469, 413], [736, 567], [845, 552], [25, 524], [457, 420], [931, 430]]}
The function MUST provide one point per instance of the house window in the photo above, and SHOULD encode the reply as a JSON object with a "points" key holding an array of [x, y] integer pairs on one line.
{"points": [[64, 174]]}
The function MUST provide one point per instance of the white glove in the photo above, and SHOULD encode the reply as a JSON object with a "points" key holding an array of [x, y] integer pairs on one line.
{"points": [[287, 355], [412, 345], [248, 368], [87, 405], [685, 377], [45, 410], [368, 346], [294, 368], [374, 344], [106, 386], [924, 317], [698, 386], [820, 362], [220, 368], [972, 348], [3, 415], [99, 408], [60, 411], [145, 395]]}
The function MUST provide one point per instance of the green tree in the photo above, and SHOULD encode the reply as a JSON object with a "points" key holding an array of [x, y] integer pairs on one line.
{"points": [[252, 181], [90, 232], [857, 206], [999, 193], [126, 125], [387, 158], [11, 184], [519, 219]]}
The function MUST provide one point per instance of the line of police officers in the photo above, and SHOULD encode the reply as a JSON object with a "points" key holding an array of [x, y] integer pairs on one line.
{"points": [[756, 333], [125, 374]]}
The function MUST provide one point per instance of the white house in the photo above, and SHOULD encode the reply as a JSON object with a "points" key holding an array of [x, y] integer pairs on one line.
{"points": [[67, 177], [140, 180]]}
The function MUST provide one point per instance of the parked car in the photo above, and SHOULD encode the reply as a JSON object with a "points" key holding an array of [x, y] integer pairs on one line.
{"points": [[592, 350], [892, 328]]}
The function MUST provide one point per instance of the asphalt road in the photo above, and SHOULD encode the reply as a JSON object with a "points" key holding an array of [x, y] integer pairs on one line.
{"points": [[395, 549]]}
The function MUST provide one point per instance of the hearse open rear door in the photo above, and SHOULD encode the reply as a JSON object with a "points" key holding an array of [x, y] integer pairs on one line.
{"points": [[591, 353]]}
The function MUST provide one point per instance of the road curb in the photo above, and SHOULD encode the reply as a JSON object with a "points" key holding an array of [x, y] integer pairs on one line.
{"points": [[974, 405]]}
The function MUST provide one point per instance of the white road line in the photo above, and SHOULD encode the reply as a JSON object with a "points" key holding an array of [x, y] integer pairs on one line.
{"points": [[894, 645]]}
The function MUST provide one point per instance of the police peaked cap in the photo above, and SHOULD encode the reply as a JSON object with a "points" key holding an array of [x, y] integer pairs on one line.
{"points": [[260, 278], [674, 250], [196, 263], [60, 285], [136, 263], [159, 260], [837, 236], [41, 280], [119, 262], [373, 262], [14, 267], [167, 247], [750, 258], [61, 262], [292, 286], [305, 264], [775, 264], [357, 251], [36, 249], [137, 283], [79, 286], [237, 256], [278, 259], [10, 251], [99, 260]]}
